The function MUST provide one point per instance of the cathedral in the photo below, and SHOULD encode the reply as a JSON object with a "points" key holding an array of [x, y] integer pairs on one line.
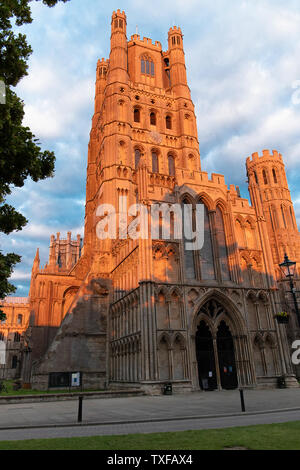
{"points": [[143, 312]]}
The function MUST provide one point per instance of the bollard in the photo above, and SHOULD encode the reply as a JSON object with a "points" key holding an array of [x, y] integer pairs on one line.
{"points": [[80, 409], [242, 400]]}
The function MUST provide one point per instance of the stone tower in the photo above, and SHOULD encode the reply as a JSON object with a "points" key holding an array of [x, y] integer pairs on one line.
{"points": [[270, 194], [142, 311]]}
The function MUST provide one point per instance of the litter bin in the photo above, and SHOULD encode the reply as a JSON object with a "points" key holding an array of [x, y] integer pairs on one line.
{"points": [[168, 389], [281, 382]]}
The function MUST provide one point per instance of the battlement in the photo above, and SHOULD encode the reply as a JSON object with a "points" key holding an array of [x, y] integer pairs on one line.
{"points": [[136, 39], [266, 155], [102, 62], [217, 178], [175, 29], [119, 14], [68, 239]]}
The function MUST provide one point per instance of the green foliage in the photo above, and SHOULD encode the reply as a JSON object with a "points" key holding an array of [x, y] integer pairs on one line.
{"points": [[20, 155]]}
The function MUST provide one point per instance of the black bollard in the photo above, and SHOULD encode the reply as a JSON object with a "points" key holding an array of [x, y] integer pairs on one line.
{"points": [[242, 400], [80, 409]]}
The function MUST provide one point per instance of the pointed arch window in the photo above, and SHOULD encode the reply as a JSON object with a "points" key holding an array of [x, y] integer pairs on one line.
{"points": [[273, 217], [153, 119], [155, 164], [171, 165], [168, 122], [189, 259], [274, 176], [264, 174], [283, 216], [147, 66], [137, 157], [206, 253], [222, 246], [137, 115]]}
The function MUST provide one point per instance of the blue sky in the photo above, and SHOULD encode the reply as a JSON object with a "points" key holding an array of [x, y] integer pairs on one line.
{"points": [[243, 67]]}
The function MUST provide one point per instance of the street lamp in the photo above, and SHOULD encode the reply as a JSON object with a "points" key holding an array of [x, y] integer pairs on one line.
{"points": [[288, 269]]}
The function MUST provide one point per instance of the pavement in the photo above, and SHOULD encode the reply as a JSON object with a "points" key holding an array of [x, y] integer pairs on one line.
{"points": [[150, 409]]}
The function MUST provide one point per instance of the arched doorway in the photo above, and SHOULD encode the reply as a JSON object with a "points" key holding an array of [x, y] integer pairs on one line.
{"points": [[205, 358], [226, 357], [215, 351]]}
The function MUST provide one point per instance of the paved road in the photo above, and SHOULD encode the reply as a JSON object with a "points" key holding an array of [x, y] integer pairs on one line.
{"points": [[178, 409], [139, 428]]}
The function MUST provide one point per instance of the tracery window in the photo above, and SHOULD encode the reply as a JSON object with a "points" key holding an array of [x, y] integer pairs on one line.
{"points": [[147, 66], [189, 259], [171, 165], [137, 156], [155, 165], [222, 247], [206, 253]]}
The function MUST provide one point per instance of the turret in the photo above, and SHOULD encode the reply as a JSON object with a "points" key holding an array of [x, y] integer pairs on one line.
{"points": [[267, 179], [177, 63], [118, 49], [101, 76]]}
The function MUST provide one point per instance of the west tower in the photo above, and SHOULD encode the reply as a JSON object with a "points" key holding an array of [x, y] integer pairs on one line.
{"points": [[147, 311]]}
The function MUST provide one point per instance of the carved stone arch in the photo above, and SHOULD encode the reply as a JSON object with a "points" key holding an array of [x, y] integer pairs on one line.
{"points": [[139, 147], [202, 316], [193, 293], [164, 337], [177, 291], [179, 336], [161, 290], [269, 339], [186, 198], [228, 305], [252, 295], [251, 221], [146, 56], [223, 205], [224, 317], [235, 293], [172, 153], [263, 296], [259, 341], [206, 200], [68, 298], [239, 218], [187, 194]]}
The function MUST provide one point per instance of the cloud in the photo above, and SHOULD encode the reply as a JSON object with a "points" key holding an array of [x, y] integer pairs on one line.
{"points": [[242, 61]]}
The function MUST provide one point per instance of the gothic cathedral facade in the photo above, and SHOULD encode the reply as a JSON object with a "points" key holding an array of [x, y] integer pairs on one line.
{"points": [[142, 312]]}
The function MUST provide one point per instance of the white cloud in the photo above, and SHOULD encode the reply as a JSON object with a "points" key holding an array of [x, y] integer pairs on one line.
{"points": [[242, 60]]}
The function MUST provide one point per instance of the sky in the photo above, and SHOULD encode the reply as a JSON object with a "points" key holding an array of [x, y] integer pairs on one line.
{"points": [[243, 67]]}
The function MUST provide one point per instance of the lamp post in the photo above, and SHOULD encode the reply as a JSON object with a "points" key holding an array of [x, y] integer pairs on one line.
{"points": [[288, 269]]}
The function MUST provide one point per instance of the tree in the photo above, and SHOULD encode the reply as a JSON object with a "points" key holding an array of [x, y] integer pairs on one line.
{"points": [[21, 156]]}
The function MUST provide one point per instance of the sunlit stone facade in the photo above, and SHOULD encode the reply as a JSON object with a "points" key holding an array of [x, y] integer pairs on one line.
{"points": [[140, 313]]}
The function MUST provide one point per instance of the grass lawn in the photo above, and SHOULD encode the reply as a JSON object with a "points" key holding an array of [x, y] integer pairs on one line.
{"points": [[10, 391], [283, 436]]}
